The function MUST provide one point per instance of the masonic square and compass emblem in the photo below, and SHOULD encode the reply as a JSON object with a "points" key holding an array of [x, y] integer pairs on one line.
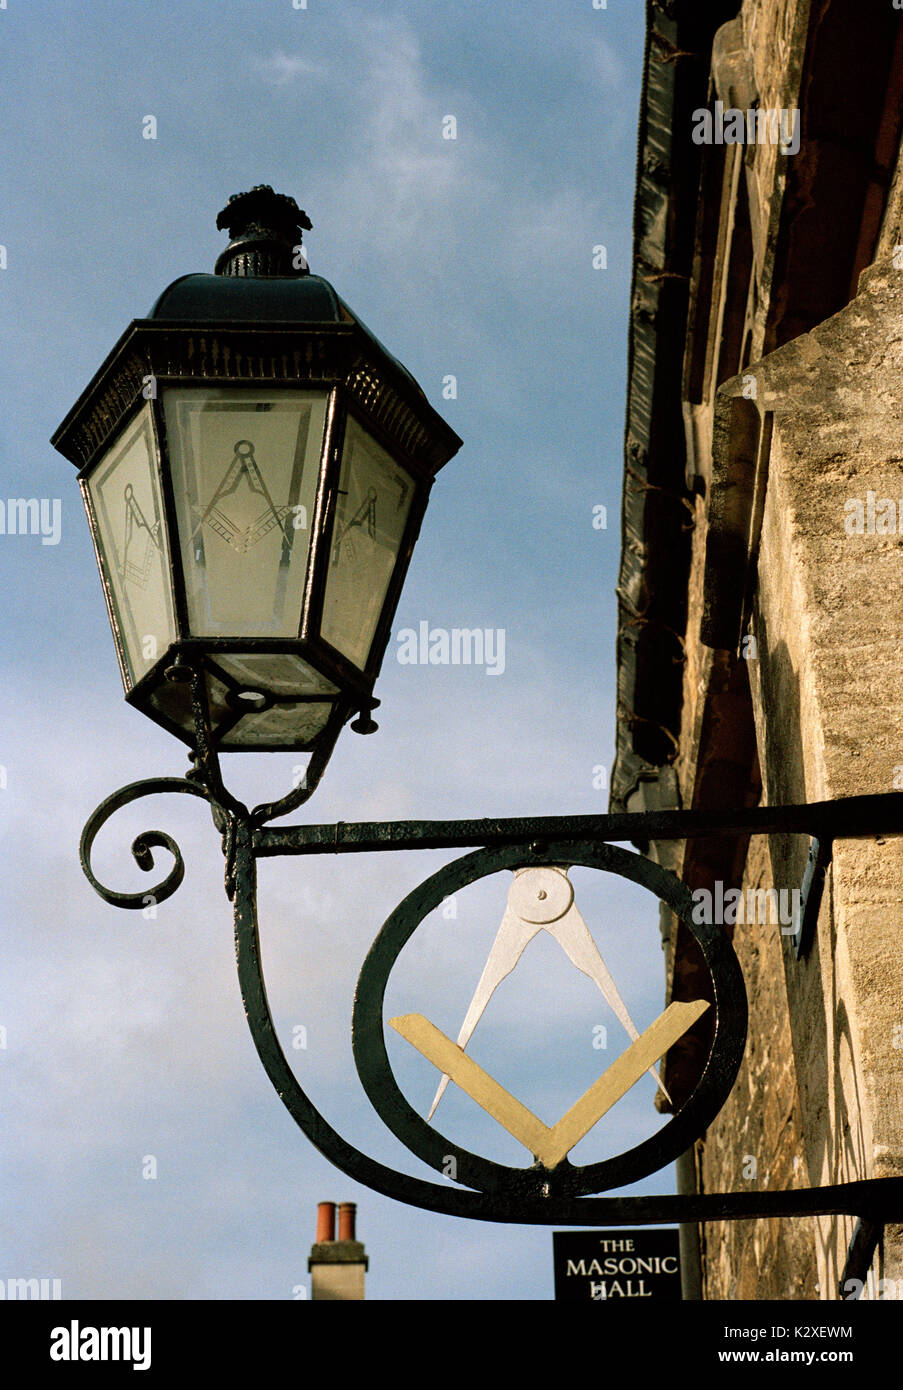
{"points": [[242, 526], [140, 541], [541, 899]]}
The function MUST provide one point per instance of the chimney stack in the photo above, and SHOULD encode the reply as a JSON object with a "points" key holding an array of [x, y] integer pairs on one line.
{"points": [[326, 1222], [347, 1213], [337, 1267]]}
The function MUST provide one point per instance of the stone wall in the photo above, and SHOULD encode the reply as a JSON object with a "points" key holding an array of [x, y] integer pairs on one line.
{"points": [[757, 1141], [828, 706]]}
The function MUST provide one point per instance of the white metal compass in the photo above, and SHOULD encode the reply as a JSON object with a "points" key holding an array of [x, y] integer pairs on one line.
{"points": [[542, 899]]}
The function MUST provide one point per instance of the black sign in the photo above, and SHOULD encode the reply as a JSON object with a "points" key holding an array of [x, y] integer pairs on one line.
{"points": [[599, 1265]]}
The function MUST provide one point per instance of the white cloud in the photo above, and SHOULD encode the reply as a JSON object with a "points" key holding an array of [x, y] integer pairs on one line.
{"points": [[604, 64], [408, 166], [281, 68]]}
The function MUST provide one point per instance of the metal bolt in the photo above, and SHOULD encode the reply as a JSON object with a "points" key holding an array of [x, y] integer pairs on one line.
{"points": [[178, 673]]}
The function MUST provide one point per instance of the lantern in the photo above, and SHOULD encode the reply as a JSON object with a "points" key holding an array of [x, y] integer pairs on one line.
{"points": [[255, 467]]}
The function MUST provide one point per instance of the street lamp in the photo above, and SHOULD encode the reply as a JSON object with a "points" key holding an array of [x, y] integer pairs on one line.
{"points": [[255, 468]]}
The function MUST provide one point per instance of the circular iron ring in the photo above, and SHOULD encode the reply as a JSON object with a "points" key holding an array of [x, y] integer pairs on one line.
{"points": [[694, 1117]]}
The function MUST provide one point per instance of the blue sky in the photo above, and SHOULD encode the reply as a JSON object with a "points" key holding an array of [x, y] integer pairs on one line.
{"points": [[471, 257]]}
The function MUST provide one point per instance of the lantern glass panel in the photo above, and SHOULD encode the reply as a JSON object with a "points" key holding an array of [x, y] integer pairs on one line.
{"points": [[124, 495], [288, 725], [375, 497], [280, 673], [244, 466]]}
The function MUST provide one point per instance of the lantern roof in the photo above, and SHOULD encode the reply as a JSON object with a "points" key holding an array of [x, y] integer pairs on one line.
{"points": [[260, 317], [248, 299], [252, 298]]}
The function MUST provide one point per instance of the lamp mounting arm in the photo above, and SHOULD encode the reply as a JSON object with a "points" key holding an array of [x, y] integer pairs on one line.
{"points": [[538, 1195]]}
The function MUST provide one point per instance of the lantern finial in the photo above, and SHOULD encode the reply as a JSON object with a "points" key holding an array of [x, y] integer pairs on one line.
{"points": [[265, 230]]}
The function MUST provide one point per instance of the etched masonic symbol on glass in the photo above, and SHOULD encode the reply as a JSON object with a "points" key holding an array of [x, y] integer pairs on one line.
{"points": [[241, 534], [365, 515], [140, 541], [542, 899]]}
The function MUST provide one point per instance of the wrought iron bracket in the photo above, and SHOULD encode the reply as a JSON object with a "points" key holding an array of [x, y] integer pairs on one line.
{"points": [[821, 852], [485, 1190], [860, 1253]]}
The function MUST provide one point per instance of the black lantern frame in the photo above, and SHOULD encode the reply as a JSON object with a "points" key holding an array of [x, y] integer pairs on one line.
{"points": [[281, 332]]}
